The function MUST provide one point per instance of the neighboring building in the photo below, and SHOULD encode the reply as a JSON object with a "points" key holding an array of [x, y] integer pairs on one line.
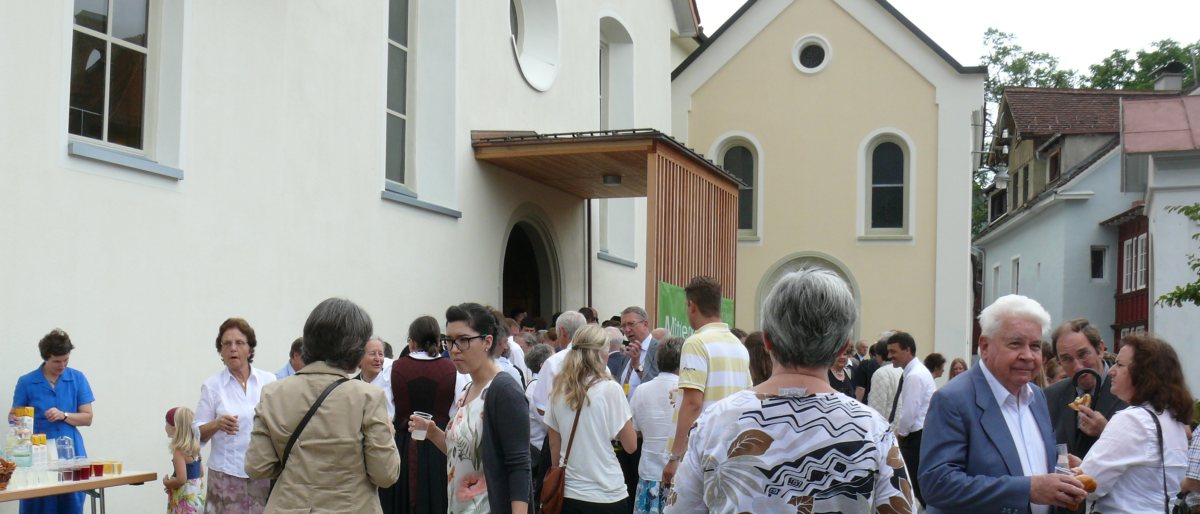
{"points": [[1162, 142], [1065, 223], [857, 153], [166, 165]]}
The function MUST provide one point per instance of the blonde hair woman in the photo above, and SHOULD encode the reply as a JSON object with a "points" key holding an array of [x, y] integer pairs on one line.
{"points": [[586, 402], [185, 486]]}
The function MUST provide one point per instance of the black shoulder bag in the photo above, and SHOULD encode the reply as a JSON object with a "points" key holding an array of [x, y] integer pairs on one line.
{"points": [[1161, 460], [287, 450]]}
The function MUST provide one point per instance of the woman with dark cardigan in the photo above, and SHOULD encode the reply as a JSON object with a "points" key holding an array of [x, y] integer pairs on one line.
{"points": [[487, 441], [422, 381]]}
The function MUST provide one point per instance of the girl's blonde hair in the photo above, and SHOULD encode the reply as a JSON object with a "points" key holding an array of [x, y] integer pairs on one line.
{"points": [[583, 364], [185, 440]]}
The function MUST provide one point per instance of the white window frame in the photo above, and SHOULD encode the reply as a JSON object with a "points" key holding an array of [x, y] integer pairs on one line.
{"points": [[905, 186], [150, 81], [745, 139], [1016, 275], [1127, 265], [408, 185], [806, 41], [1142, 265], [995, 282]]}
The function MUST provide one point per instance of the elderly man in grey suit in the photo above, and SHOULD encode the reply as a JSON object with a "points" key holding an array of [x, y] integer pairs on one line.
{"points": [[640, 366], [988, 445]]}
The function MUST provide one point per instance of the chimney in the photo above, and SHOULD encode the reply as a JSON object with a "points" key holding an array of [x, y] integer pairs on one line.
{"points": [[1169, 77]]}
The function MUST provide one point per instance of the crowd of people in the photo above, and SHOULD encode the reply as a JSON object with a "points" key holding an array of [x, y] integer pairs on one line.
{"points": [[477, 411]]}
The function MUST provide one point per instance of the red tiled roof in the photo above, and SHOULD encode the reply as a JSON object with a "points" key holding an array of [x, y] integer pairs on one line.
{"points": [[1045, 111]]}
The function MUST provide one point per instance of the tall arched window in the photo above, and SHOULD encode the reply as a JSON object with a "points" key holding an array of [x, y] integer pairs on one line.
{"points": [[887, 194], [739, 161]]}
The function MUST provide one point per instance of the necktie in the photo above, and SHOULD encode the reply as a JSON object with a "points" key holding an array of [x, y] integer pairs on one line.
{"points": [[896, 399]]}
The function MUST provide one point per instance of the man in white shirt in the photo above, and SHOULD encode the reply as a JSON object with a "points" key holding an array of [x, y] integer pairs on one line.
{"points": [[566, 325], [988, 445], [913, 391]]}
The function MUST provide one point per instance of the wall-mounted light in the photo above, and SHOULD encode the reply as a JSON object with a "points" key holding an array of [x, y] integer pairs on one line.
{"points": [[612, 180], [1001, 180]]}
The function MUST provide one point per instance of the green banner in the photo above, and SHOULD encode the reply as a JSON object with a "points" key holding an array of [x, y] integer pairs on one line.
{"points": [[672, 310]]}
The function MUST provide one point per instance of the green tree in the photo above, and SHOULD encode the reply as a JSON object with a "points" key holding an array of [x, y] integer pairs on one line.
{"points": [[1009, 64], [1190, 292], [1120, 71]]}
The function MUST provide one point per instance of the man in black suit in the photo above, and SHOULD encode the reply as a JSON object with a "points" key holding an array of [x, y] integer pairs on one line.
{"points": [[1078, 345]]}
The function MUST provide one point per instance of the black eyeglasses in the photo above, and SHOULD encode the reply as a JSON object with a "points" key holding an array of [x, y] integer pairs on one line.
{"points": [[460, 342]]}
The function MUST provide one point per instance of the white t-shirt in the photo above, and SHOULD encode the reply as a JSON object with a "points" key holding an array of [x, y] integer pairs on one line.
{"points": [[593, 473], [384, 381], [537, 430], [653, 405]]}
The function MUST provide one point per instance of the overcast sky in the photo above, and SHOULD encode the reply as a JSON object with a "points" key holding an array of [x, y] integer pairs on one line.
{"points": [[1078, 32]]}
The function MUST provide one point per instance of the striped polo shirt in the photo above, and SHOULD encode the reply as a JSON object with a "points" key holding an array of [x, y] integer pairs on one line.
{"points": [[714, 362]]}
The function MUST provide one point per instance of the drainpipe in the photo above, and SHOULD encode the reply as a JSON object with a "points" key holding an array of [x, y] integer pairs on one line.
{"points": [[587, 222]]}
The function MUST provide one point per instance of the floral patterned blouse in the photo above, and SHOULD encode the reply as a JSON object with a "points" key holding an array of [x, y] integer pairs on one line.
{"points": [[825, 452], [467, 488]]}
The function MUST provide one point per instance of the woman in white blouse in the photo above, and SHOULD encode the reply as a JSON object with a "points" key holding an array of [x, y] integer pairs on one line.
{"points": [[225, 417], [1131, 473], [376, 369], [653, 406]]}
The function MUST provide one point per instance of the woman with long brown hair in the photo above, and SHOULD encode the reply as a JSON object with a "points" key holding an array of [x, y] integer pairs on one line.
{"points": [[586, 402], [1141, 456]]}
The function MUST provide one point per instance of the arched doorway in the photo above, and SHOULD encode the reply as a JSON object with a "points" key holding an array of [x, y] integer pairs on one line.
{"points": [[530, 275], [799, 260]]}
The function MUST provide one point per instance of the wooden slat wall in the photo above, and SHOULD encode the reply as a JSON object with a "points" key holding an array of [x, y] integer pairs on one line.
{"points": [[691, 225]]}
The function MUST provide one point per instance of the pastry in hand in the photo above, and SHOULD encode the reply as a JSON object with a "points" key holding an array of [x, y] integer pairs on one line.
{"points": [[1089, 485], [1085, 400]]}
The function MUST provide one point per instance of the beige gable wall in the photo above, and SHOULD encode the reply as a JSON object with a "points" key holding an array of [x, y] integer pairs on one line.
{"points": [[811, 128]]}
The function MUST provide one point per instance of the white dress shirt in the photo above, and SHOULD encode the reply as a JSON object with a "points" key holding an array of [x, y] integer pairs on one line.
{"points": [[883, 390], [634, 379], [545, 379], [222, 394], [914, 397], [384, 381], [653, 407], [517, 357], [1124, 462], [1023, 428]]}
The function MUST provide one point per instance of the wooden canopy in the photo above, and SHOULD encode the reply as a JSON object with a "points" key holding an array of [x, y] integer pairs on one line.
{"points": [[691, 202]]}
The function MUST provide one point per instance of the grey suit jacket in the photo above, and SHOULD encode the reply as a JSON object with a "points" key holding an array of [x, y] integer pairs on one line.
{"points": [[1066, 420], [651, 349]]}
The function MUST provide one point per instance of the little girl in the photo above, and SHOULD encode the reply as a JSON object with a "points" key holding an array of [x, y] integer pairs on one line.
{"points": [[185, 485]]}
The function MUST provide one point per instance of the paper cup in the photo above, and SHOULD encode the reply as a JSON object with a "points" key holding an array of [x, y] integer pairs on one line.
{"points": [[419, 434]]}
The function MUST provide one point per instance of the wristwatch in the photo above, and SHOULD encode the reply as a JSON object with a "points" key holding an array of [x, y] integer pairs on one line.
{"points": [[66, 416], [674, 458]]}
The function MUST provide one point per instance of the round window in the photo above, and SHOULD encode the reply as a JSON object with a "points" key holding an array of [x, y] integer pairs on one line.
{"points": [[811, 53], [533, 25]]}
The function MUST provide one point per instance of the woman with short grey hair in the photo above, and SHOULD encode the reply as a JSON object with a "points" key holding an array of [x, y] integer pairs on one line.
{"points": [[347, 449], [759, 450]]}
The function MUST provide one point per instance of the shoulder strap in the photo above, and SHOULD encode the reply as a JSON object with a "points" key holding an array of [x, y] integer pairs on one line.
{"points": [[1161, 460], [287, 450]]}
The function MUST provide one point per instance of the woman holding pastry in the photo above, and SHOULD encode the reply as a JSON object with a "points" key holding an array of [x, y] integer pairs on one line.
{"points": [[1141, 456]]}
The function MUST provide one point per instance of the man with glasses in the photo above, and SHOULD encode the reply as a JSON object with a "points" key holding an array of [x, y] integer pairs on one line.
{"points": [[640, 365], [1078, 346]]}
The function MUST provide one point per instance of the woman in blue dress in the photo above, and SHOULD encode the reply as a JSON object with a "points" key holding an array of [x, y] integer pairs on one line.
{"points": [[62, 401]]}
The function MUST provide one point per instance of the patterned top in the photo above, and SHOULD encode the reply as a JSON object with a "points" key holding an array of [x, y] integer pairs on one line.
{"points": [[765, 453], [1193, 470], [467, 487]]}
